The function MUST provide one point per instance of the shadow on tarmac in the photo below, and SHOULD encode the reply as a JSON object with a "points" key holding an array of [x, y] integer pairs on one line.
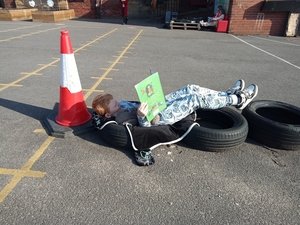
{"points": [[39, 113], [131, 22], [34, 112]]}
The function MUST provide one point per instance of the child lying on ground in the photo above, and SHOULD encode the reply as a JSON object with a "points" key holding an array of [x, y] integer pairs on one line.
{"points": [[180, 103]]}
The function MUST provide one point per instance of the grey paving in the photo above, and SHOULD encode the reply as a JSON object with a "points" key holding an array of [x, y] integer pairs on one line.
{"points": [[89, 182]]}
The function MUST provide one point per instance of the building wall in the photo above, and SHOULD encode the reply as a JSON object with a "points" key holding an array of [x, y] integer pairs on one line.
{"points": [[83, 8], [9, 4], [246, 18], [111, 8]]}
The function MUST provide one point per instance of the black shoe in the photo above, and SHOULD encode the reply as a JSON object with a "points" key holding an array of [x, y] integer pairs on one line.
{"points": [[144, 157]]}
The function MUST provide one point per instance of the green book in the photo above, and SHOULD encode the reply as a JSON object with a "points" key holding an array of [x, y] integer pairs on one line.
{"points": [[150, 91]]}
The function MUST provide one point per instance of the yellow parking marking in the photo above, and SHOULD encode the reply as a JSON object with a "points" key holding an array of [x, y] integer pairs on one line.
{"points": [[28, 75], [44, 64], [107, 78], [14, 85], [29, 34], [25, 170], [24, 173], [112, 66], [39, 131], [125, 57], [107, 68], [17, 177], [31, 73], [88, 44], [38, 153], [87, 90], [117, 62], [50, 64], [9, 187]]}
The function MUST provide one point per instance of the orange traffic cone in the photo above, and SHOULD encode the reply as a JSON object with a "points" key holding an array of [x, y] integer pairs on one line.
{"points": [[72, 109]]}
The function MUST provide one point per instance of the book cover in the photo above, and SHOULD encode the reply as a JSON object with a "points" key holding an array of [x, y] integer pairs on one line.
{"points": [[150, 91]]}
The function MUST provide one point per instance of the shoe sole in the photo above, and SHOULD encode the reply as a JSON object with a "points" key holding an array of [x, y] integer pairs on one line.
{"points": [[243, 85], [249, 100]]}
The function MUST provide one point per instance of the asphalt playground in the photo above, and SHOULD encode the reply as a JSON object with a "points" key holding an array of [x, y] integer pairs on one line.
{"points": [[79, 179]]}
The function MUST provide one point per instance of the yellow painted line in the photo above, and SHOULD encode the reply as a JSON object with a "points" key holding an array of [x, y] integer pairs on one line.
{"points": [[107, 78], [18, 176], [87, 90], [24, 173], [28, 75], [111, 62], [125, 57], [15, 85], [44, 64], [25, 73], [49, 64], [107, 69], [112, 66], [9, 187], [19, 28], [39, 131], [108, 33], [29, 34], [27, 166], [38, 153]]}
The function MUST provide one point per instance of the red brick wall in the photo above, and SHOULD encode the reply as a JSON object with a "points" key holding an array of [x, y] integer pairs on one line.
{"points": [[111, 8], [86, 8], [9, 4], [246, 17]]}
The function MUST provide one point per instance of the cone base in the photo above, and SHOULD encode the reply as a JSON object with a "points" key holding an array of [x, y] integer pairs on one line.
{"points": [[68, 123], [54, 129], [72, 109]]}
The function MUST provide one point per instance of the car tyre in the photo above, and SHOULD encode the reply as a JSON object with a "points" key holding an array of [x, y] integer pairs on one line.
{"points": [[219, 130], [274, 124]]}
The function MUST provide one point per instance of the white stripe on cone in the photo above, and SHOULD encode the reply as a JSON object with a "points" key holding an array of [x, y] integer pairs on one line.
{"points": [[70, 77]]}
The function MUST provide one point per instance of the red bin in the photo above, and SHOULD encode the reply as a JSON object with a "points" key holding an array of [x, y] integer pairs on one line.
{"points": [[222, 26]]}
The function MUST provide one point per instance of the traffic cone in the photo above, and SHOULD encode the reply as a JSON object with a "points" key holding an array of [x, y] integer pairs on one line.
{"points": [[72, 109]]}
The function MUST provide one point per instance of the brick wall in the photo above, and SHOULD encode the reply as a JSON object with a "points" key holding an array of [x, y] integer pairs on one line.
{"points": [[111, 8], [246, 17], [9, 4], [86, 8]]}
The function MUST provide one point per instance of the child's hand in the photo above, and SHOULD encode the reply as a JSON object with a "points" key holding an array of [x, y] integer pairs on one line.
{"points": [[143, 109], [155, 120]]}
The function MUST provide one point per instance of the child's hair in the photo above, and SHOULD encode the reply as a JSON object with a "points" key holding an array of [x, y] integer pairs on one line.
{"points": [[100, 103]]}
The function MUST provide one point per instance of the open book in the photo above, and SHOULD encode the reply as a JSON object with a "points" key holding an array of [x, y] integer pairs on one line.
{"points": [[150, 91]]}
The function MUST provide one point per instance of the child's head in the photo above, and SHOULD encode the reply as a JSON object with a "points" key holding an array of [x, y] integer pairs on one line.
{"points": [[101, 102], [105, 105]]}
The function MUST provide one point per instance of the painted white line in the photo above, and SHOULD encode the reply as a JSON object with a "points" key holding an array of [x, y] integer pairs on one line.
{"points": [[281, 42], [275, 56]]}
